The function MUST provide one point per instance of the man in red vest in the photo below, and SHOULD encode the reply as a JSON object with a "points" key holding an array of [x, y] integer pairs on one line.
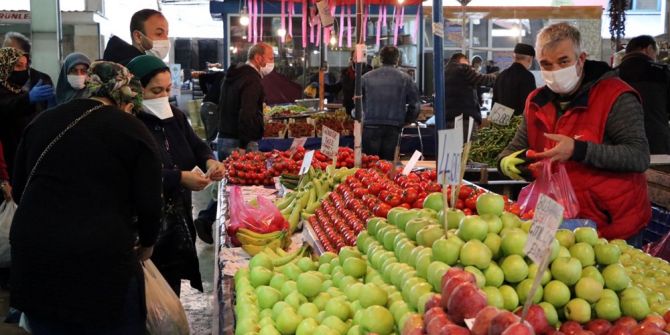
{"points": [[589, 119]]}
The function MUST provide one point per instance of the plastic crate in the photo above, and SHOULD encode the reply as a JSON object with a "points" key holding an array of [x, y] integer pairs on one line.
{"points": [[658, 226]]}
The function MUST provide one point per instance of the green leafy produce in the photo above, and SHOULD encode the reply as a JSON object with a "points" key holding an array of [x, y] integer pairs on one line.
{"points": [[492, 140]]}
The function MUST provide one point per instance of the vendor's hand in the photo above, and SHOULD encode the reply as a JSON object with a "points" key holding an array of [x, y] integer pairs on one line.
{"points": [[509, 163], [215, 170], [6, 190], [194, 181], [562, 151], [144, 253]]}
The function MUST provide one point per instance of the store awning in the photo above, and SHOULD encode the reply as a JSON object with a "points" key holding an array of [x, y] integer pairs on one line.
{"points": [[528, 12]]}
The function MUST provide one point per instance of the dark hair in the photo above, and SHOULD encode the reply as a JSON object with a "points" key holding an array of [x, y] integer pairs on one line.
{"points": [[389, 55], [457, 57], [147, 77], [641, 42], [141, 16], [22, 41]]}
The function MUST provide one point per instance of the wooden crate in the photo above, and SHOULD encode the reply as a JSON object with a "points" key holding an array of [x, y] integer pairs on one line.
{"points": [[658, 181]]}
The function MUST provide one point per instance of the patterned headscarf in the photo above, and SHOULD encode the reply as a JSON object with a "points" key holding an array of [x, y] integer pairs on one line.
{"points": [[113, 81], [8, 58]]}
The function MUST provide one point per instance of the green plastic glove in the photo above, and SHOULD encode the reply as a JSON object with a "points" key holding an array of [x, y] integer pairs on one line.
{"points": [[513, 165]]}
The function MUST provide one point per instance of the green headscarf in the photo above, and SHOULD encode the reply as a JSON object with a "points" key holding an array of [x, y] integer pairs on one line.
{"points": [[113, 81]]}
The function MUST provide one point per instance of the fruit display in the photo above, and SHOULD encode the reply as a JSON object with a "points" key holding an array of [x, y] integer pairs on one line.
{"points": [[332, 120], [285, 110], [274, 129], [300, 129], [492, 140]]}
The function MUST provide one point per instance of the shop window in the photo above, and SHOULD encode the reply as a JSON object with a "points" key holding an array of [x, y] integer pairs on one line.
{"points": [[644, 5]]}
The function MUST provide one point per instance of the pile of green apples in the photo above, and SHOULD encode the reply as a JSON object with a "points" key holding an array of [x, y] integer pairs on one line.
{"points": [[585, 278], [338, 294], [651, 274]]}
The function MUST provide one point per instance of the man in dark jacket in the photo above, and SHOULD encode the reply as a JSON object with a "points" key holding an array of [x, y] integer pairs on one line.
{"points": [[515, 83], [241, 101], [149, 32], [348, 81], [652, 81], [390, 101]]}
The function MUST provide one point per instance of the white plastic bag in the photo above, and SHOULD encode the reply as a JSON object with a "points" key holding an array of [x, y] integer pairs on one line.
{"points": [[165, 314], [7, 210]]}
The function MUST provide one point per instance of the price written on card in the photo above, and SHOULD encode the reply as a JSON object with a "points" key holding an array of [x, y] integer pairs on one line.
{"points": [[298, 142], [306, 162], [501, 114], [450, 149], [438, 29], [330, 142], [412, 162], [548, 216]]}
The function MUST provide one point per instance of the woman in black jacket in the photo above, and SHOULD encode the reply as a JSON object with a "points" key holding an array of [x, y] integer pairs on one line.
{"points": [[181, 151], [87, 181]]}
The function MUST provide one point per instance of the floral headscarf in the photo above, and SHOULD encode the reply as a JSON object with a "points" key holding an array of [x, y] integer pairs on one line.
{"points": [[113, 81], [8, 58]]}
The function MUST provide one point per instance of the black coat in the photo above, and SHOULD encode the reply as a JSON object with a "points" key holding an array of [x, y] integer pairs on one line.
{"points": [[241, 105], [16, 112], [347, 84], [652, 82], [181, 150], [119, 51], [513, 86], [460, 85], [73, 234]]}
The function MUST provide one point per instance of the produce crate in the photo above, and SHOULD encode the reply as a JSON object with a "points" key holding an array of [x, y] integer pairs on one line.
{"points": [[282, 132], [659, 225], [658, 182]]}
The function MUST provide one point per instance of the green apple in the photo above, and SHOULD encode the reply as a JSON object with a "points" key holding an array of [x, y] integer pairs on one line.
{"points": [[335, 292], [306, 264], [399, 240], [373, 295], [428, 213], [631, 292], [607, 293], [421, 304], [586, 235], [292, 271], [578, 310], [490, 203], [414, 255], [472, 228], [513, 243], [278, 279], [426, 236], [398, 309], [475, 253], [584, 253], [567, 270], [494, 275], [493, 241], [308, 310], [266, 313], [589, 289], [493, 221], [347, 252], [377, 319], [556, 293], [414, 225], [434, 201], [309, 284], [418, 291], [267, 296], [374, 224], [563, 252], [532, 272], [339, 308], [355, 267], [388, 236], [592, 272], [510, 220], [247, 326], [445, 250], [295, 299], [523, 291], [346, 282], [334, 323], [565, 237], [261, 260], [479, 276], [307, 327], [615, 277], [260, 276], [494, 297], [422, 263], [550, 313], [436, 270], [326, 269], [515, 268], [525, 225], [555, 250], [607, 254], [394, 213], [321, 299], [608, 309], [288, 321], [278, 308], [510, 298], [362, 241], [404, 251], [453, 218], [635, 307], [325, 330]]}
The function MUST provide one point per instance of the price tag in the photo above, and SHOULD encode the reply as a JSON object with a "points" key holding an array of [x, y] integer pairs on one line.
{"points": [[306, 162], [471, 123], [412, 162], [330, 142], [438, 29], [548, 216], [357, 143], [298, 142], [450, 149], [469, 323], [501, 114]]}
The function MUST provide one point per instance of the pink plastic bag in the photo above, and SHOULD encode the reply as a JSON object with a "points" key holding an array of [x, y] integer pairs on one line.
{"points": [[262, 219], [556, 185]]}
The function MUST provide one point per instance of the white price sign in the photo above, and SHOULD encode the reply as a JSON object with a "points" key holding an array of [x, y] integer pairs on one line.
{"points": [[358, 138], [298, 142], [450, 149], [412, 162], [438, 29], [306, 162], [501, 114], [330, 142], [548, 216]]}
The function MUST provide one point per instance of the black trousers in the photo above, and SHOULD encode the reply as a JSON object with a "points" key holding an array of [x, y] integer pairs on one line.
{"points": [[380, 140]]}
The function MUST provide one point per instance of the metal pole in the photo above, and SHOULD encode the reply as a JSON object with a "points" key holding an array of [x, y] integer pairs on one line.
{"points": [[420, 67], [438, 65], [358, 87], [322, 67]]}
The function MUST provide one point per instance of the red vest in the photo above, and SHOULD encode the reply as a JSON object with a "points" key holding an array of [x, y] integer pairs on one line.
{"points": [[617, 202]]}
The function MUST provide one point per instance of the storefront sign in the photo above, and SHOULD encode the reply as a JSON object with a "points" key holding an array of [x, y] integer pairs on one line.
{"points": [[330, 142], [8, 16]]}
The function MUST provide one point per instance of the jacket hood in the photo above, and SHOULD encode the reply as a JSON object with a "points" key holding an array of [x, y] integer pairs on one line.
{"points": [[119, 51], [240, 70]]}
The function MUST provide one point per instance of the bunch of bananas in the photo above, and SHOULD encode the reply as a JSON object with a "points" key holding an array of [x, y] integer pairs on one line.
{"points": [[253, 242]]}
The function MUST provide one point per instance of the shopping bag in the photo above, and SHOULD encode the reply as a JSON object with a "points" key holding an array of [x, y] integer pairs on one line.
{"points": [[554, 182], [264, 218], [7, 210], [165, 314]]}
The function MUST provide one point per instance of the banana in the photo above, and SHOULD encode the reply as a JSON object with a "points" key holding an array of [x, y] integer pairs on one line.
{"points": [[288, 257], [258, 239], [254, 234], [252, 249]]}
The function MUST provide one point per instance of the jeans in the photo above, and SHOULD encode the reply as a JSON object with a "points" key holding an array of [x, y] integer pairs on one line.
{"points": [[132, 321], [381, 141]]}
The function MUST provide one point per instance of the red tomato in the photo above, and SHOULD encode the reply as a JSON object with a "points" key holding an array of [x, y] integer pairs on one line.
{"points": [[405, 205], [460, 204], [467, 211], [418, 203], [471, 203], [381, 210], [393, 199], [410, 195], [465, 192]]}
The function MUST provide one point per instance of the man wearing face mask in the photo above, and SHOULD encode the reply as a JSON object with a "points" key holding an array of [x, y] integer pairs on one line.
{"points": [[593, 122], [149, 33], [515, 83], [241, 101]]}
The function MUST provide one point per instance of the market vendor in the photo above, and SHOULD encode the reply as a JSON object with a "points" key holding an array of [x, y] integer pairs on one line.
{"points": [[593, 122]]}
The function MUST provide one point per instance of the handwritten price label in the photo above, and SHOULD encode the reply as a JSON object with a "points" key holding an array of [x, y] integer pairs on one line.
{"points": [[306, 162], [548, 216], [330, 142], [412, 162], [501, 114], [298, 142], [450, 148]]}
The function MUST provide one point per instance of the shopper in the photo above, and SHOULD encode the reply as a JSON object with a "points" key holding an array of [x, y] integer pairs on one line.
{"points": [[241, 104], [652, 81], [477, 63], [87, 182], [515, 83], [5, 186], [594, 123], [72, 77], [149, 34], [22, 43], [181, 151], [390, 101], [23, 95], [210, 83], [347, 83]]}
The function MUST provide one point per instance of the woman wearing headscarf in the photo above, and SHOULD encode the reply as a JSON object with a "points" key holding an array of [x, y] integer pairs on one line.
{"points": [[72, 77], [21, 99], [181, 151], [88, 186]]}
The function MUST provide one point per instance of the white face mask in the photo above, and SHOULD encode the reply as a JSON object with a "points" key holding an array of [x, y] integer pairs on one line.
{"points": [[76, 81], [160, 49], [159, 107], [265, 70], [562, 81]]}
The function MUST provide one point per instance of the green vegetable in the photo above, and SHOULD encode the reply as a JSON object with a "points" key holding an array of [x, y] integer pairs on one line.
{"points": [[492, 140]]}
